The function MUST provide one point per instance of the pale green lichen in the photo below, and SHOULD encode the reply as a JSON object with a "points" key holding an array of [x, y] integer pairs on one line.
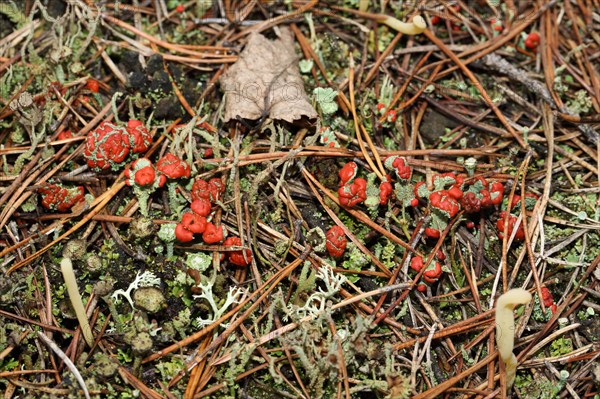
{"points": [[306, 281], [355, 259], [166, 233], [13, 13], [198, 261], [315, 303], [325, 98], [581, 103]]}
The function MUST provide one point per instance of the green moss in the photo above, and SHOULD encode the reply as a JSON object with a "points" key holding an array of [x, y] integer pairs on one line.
{"points": [[536, 388], [561, 346], [355, 260], [358, 229]]}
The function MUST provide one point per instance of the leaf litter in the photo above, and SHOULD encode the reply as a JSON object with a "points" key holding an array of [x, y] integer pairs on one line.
{"points": [[266, 81], [267, 275]]}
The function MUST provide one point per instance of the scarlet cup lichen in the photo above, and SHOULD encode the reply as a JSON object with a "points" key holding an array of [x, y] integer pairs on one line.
{"points": [[140, 138], [336, 241], [144, 179], [173, 168], [106, 147], [238, 258], [353, 193], [56, 197]]}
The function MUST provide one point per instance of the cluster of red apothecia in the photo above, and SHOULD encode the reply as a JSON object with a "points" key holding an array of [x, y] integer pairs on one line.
{"points": [[204, 195], [109, 147], [531, 41], [446, 195]]}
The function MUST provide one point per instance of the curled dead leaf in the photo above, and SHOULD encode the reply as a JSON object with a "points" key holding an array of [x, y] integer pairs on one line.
{"points": [[266, 81]]}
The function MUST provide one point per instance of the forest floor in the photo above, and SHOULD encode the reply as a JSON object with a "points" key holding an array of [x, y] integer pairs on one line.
{"points": [[298, 199]]}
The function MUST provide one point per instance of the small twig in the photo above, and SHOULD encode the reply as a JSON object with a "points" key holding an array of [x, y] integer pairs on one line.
{"points": [[67, 362]]}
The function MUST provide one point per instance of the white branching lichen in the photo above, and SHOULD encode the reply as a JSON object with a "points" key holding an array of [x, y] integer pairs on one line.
{"points": [[145, 279], [233, 296], [315, 304]]}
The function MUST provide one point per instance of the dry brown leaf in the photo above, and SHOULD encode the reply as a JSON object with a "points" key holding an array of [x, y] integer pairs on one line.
{"points": [[266, 81]]}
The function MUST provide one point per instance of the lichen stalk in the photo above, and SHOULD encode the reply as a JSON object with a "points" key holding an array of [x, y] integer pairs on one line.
{"points": [[416, 27], [66, 267], [505, 326]]}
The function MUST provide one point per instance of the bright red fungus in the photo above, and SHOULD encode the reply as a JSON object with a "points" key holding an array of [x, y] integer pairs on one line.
{"points": [[142, 173], [416, 263], [385, 191], [354, 193], [496, 192], [238, 258], [216, 188], [213, 234], [532, 41], [548, 300], [433, 272], [336, 241], [140, 139], [193, 222], [201, 207], [145, 176], [93, 85], [65, 134], [173, 167], [210, 191], [182, 234], [512, 220], [58, 198], [432, 233], [347, 173], [399, 165], [442, 201], [106, 146], [200, 190]]}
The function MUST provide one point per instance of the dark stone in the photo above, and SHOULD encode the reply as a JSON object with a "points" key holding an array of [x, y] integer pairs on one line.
{"points": [[154, 64], [131, 62], [160, 83], [434, 126], [168, 108]]}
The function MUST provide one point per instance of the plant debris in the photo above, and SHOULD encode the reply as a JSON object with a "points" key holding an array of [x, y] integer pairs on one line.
{"points": [[266, 81], [332, 212]]}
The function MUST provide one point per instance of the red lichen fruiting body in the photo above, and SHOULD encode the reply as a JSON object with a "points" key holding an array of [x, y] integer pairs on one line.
{"points": [[140, 139], [213, 234], [385, 192], [347, 173], [432, 233], [532, 41], [354, 193], [193, 222], [433, 272], [106, 146], [55, 197], [200, 190], [173, 167], [238, 258], [416, 263], [182, 234], [444, 202], [216, 188], [335, 241], [512, 219], [201, 207]]}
